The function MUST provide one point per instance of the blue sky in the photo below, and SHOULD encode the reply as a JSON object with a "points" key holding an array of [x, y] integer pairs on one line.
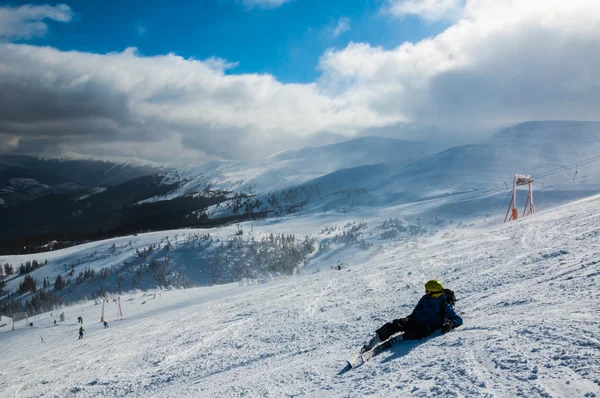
{"points": [[285, 41]]}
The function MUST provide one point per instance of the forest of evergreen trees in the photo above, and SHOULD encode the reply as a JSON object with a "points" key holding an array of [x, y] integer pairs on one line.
{"points": [[42, 301], [30, 266], [242, 258]]}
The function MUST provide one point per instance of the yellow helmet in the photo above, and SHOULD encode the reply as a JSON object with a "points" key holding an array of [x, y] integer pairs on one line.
{"points": [[434, 286]]}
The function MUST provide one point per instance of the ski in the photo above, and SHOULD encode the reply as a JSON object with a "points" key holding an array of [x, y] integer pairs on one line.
{"points": [[360, 359]]}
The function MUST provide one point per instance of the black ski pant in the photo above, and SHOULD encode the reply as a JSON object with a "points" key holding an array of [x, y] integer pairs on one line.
{"points": [[412, 329]]}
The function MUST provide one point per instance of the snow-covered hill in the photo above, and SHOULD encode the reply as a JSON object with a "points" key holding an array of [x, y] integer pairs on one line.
{"points": [[529, 292], [529, 148], [296, 167], [463, 173]]}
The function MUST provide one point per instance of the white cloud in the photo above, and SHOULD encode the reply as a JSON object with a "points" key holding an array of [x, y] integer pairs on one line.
{"points": [[343, 25], [67, 102], [427, 9], [27, 21], [265, 3], [501, 62], [504, 61]]}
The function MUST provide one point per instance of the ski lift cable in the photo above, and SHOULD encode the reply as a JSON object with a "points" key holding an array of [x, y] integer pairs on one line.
{"points": [[464, 200], [503, 188], [570, 166], [492, 191]]}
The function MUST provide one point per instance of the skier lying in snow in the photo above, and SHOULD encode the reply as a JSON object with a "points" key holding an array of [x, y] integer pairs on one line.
{"points": [[433, 312]]}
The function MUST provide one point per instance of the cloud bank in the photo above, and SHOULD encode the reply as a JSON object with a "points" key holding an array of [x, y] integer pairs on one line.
{"points": [[501, 62], [27, 21]]}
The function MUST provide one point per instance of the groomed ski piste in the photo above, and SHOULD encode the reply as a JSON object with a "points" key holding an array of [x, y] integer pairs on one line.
{"points": [[529, 293]]}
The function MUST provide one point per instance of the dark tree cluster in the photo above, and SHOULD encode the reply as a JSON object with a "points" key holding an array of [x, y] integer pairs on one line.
{"points": [[28, 285], [104, 272], [59, 283], [87, 274], [161, 271], [46, 282], [7, 270], [394, 228], [30, 266], [275, 254], [9, 308], [42, 301], [353, 236]]}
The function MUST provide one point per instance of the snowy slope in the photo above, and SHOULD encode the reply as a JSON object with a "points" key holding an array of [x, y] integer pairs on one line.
{"points": [[529, 292]]}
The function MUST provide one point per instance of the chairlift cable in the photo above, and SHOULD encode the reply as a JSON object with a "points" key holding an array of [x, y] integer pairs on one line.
{"points": [[481, 194]]}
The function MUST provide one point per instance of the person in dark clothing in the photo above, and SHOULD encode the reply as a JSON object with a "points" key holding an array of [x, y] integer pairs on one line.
{"points": [[431, 313], [105, 325], [81, 330]]}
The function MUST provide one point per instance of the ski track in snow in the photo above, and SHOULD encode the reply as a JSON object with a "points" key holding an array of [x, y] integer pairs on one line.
{"points": [[529, 293]]}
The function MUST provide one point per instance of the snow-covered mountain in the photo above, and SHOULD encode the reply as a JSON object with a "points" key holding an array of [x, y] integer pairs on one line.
{"points": [[547, 150], [26, 178], [529, 148], [356, 175], [296, 167], [541, 149], [528, 292]]}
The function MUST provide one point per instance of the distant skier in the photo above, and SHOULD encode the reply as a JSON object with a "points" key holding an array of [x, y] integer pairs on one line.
{"points": [[433, 312], [105, 325], [81, 330], [42, 338], [55, 322], [80, 320]]}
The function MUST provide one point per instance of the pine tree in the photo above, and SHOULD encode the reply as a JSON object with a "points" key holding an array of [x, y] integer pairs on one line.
{"points": [[28, 285], [59, 283], [8, 269]]}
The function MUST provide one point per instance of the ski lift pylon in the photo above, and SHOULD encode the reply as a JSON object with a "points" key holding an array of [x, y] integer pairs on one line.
{"points": [[520, 180]]}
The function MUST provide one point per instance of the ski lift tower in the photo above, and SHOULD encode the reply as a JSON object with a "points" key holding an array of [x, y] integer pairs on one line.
{"points": [[520, 180]]}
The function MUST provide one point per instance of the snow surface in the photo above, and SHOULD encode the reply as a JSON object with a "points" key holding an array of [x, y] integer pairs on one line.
{"points": [[529, 292]]}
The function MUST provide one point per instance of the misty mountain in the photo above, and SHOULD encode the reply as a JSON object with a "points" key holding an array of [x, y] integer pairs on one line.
{"points": [[292, 168], [468, 171], [25, 178], [528, 148], [367, 172]]}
